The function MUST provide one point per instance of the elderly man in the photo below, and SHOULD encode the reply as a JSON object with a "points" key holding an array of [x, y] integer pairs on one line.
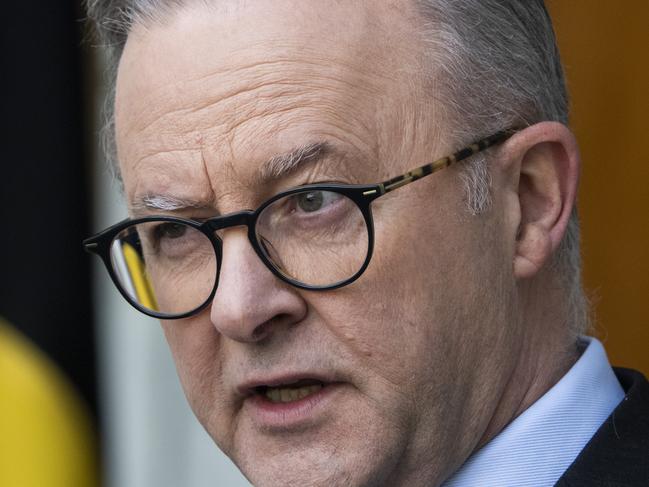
{"points": [[338, 314]]}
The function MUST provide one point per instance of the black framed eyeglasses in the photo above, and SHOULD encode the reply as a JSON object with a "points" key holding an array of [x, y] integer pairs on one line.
{"points": [[314, 237]]}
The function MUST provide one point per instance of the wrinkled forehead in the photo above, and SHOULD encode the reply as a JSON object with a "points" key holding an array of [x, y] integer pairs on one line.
{"points": [[368, 35], [218, 90]]}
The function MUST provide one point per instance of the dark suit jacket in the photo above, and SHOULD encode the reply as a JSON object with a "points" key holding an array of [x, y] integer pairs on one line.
{"points": [[618, 454]]}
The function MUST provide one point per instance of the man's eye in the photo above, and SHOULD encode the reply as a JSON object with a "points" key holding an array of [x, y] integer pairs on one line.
{"points": [[169, 231], [315, 200]]}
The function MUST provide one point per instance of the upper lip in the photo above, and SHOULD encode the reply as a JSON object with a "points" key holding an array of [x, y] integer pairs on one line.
{"points": [[252, 385]]}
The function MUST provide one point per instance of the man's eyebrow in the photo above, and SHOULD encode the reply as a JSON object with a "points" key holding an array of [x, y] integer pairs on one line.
{"points": [[283, 164], [160, 202], [274, 168]]}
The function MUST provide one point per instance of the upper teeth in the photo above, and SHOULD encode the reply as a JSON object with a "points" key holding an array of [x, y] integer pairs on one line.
{"points": [[286, 394]]}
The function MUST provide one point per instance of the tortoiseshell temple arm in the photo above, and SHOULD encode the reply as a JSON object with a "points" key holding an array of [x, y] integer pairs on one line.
{"points": [[435, 166]]}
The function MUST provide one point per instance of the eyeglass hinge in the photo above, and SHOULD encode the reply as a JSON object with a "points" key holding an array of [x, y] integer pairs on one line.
{"points": [[371, 192]]}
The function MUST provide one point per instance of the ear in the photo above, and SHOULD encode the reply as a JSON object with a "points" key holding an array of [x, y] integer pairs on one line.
{"points": [[547, 161]]}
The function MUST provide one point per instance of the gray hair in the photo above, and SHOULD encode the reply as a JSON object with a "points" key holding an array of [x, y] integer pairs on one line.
{"points": [[497, 66]]}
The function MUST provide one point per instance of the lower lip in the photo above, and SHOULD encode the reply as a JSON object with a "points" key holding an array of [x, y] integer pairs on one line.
{"points": [[290, 415]]}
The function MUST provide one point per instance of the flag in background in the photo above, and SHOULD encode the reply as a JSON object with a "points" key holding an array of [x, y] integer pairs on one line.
{"points": [[47, 356]]}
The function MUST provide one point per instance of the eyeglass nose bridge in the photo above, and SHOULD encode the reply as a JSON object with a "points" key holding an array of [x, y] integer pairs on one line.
{"points": [[244, 218]]}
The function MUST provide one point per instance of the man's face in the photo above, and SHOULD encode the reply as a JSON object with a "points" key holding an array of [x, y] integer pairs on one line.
{"points": [[412, 356]]}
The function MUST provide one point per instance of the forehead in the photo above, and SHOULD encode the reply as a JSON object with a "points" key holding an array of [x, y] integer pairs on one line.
{"points": [[205, 95]]}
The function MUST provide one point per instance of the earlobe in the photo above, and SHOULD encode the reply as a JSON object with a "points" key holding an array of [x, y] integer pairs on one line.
{"points": [[547, 187], [532, 250]]}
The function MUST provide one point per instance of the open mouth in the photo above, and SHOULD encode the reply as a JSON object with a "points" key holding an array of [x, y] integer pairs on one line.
{"points": [[290, 401], [286, 393]]}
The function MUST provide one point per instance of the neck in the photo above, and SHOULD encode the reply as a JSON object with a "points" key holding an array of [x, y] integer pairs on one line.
{"points": [[548, 351]]}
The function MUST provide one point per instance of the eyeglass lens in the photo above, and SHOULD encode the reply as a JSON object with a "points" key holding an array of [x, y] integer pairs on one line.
{"points": [[166, 267], [316, 238]]}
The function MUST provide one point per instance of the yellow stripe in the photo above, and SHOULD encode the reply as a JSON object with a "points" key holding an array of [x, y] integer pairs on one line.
{"points": [[140, 280]]}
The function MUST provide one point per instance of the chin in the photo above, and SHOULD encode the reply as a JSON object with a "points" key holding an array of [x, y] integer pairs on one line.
{"points": [[308, 467], [349, 459]]}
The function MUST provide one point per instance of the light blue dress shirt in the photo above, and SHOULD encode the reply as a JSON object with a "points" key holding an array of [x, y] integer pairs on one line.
{"points": [[537, 447]]}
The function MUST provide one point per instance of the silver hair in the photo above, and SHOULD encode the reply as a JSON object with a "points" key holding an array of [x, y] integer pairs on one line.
{"points": [[497, 66]]}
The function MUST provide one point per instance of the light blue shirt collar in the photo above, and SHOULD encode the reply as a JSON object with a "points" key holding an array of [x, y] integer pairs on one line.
{"points": [[537, 447]]}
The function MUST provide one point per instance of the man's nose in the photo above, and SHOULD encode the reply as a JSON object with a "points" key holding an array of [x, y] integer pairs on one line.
{"points": [[250, 302]]}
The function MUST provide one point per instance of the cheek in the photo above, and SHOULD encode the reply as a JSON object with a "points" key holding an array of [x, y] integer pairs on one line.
{"points": [[381, 328], [195, 346], [426, 290]]}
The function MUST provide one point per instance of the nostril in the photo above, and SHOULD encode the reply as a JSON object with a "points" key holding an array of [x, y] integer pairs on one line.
{"points": [[261, 331], [264, 329]]}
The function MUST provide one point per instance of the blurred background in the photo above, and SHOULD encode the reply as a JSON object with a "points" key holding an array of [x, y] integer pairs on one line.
{"points": [[88, 392]]}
